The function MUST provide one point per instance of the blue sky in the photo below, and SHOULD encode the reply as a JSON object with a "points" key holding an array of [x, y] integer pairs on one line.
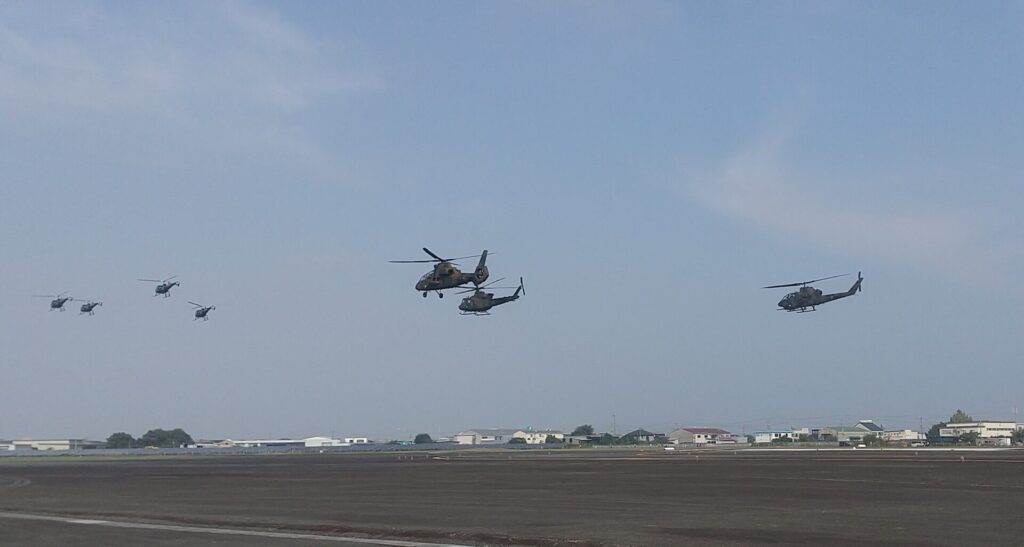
{"points": [[646, 167]]}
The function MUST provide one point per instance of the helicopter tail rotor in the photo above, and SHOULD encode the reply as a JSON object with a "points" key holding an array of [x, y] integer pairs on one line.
{"points": [[520, 289]]}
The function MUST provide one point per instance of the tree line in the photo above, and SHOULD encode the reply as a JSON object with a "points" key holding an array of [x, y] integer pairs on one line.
{"points": [[161, 438]]}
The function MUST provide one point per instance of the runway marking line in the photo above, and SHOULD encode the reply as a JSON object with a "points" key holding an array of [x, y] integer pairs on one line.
{"points": [[222, 531]]}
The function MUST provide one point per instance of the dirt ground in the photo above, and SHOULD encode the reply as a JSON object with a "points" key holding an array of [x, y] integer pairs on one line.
{"points": [[540, 498]]}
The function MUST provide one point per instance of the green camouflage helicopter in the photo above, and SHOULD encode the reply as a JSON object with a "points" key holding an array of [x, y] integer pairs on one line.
{"points": [[446, 274], [809, 297], [480, 302]]}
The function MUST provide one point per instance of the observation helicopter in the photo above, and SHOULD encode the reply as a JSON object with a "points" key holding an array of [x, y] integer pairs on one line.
{"points": [[164, 286], [58, 300], [88, 307], [809, 297], [446, 274], [202, 311], [480, 302]]}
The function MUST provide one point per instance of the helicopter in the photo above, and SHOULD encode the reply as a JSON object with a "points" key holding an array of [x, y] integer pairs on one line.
{"points": [[88, 307], [480, 302], [164, 286], [809, 297], [58, 300], [202, 311], [446, 274]]}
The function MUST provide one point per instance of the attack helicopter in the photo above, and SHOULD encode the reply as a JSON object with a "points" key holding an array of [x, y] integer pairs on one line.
{"points": [[446, 274], [165, 285], [88, 307], [58, 300], [809, 297], [480, 302], [202, 311]]}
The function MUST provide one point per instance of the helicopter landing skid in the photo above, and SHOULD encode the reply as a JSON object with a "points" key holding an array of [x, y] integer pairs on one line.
{"points": [[474, 313]]}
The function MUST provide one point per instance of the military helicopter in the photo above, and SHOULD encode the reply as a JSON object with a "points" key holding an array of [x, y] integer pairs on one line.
{"points": [[58, 300], [88, 307], [446, 274], [480, 302], [202, 311], [164, 286], [809, 297]]}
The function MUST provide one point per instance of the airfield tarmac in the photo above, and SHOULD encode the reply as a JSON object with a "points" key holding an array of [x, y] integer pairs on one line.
{"points": [[512, 497]]}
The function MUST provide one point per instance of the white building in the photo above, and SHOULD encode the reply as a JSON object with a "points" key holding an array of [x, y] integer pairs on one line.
{"points": [[57, 444], [320, 442], [309, 442], [538, 436], [485, 436], [766, 437], [903, 436], [986, 429], [701, 436], [357, 440]]}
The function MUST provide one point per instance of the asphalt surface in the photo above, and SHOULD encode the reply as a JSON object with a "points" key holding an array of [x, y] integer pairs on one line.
{"points": [[541, 498]]}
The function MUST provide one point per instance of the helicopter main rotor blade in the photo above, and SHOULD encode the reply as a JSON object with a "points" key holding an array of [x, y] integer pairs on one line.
{"points": [[169, 278], [44, 296], [411, 261], [150, 280], [803, 282], [437, 258], [194, 304]]}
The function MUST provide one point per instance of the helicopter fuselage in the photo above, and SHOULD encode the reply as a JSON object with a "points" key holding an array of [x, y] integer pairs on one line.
{"points": [[165, 288], [446, 275], [58, 303], [88, 307]]}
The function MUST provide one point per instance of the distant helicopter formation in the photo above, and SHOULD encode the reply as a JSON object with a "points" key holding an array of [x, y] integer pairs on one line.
{"points": [[446, 274], [89, 305]]}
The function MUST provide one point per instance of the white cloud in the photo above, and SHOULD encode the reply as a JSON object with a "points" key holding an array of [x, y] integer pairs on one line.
{"points": [[758, 187], [209, 75]]}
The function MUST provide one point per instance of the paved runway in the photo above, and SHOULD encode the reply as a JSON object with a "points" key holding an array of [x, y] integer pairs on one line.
{"points": [[538, 498]]}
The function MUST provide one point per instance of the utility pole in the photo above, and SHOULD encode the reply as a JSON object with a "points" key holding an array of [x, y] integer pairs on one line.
{"points": [[615, 429]]}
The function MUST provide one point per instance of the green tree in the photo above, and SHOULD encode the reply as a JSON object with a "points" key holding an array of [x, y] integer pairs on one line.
{"points": [[1018, 436], [121, 440], [870, 439], [750, 439], [423, 438], [804, 438], [933, 432], [585, 429], [969, 438], [607, 439], [517, 440], [173, 438], [551, 439], [960, 417]]}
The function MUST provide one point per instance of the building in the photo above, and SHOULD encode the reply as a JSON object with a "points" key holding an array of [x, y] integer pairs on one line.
{"points": [[986, 429], [701, 436], [485, 436], [309, 442], [357, 440], [843, 434], [642, 436], [870, 426], [538, 436], [904, 436], [58, 444], [773, 435]]}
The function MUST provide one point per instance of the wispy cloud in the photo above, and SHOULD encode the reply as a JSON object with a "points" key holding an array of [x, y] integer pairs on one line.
{"points": [[759, 187], [227, 75]]}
